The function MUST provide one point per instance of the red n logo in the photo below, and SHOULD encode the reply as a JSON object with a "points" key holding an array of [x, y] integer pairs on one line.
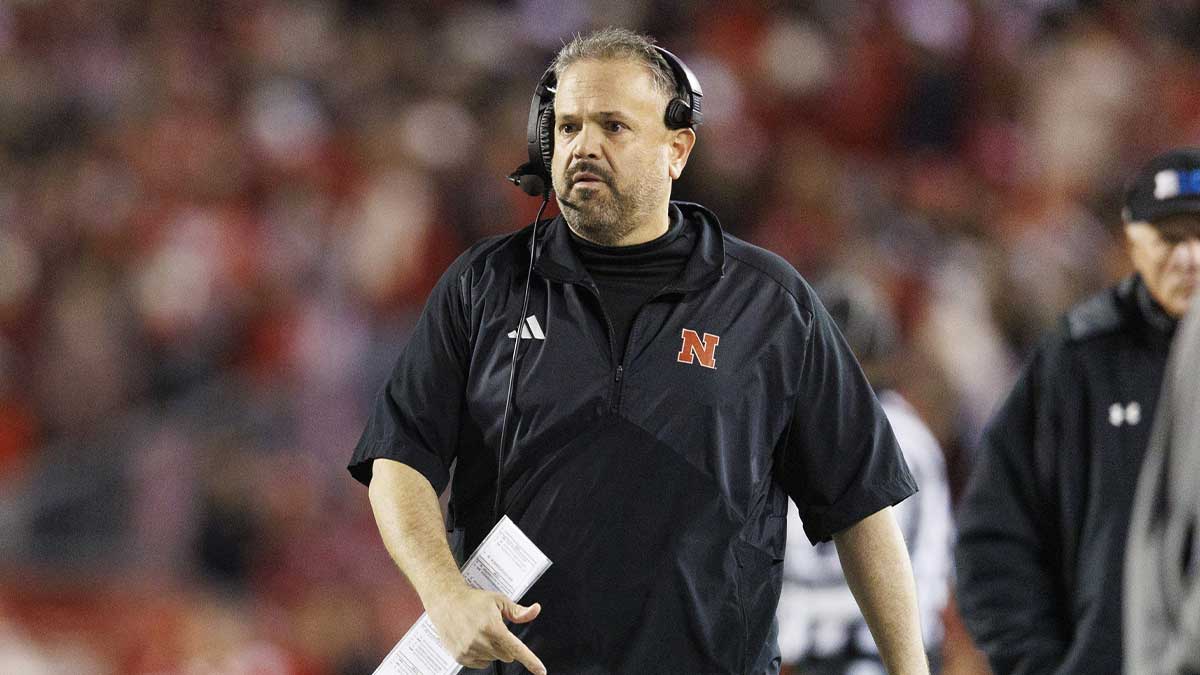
{"points": [[694, 348]]}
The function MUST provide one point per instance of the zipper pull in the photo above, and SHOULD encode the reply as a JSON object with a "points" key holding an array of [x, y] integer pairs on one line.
{"points": [[616, 394]]}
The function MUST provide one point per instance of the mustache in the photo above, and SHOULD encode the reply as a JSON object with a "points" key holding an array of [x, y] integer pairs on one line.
{"points": [[588, 167]]}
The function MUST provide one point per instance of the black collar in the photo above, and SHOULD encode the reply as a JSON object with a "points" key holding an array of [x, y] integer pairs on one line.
{"points": [[557, 261], [1153, 312]]}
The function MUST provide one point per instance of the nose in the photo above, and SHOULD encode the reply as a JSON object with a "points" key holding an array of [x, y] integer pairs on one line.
{"points": [[1187, 253], [586, 144]]}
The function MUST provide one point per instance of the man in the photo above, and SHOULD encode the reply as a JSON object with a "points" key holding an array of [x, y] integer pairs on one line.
{"points": [[675, 386], [1043, 523], [1162, 596], [821, 630]]}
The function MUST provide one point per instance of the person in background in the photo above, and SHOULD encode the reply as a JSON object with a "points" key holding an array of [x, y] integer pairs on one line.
{"points": [[821, 630], [1044, 520]]}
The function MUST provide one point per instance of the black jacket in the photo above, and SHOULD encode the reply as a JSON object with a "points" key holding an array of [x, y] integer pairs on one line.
{"points": [[1042, 526], [657, 486]]}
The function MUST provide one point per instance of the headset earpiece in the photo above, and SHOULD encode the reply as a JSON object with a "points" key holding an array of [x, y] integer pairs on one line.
{"points": [[546, 138], [534, 176], [678, 114], [682, 112]]}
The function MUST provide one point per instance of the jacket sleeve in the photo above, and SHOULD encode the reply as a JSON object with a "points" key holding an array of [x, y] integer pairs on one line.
{"points": [[1008, 589], [839, 461], [415, 417]]}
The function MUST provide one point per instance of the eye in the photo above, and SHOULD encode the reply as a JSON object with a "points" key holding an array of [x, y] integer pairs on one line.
{"points": [[567, 128], [614, 127], [1173, 237]]}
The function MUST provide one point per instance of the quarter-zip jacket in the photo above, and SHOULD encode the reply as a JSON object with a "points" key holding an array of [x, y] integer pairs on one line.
{"points": [[657, 485], [1043, 523]]}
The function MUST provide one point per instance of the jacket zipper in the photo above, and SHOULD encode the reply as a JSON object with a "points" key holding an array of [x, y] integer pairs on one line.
{"points": [[619, 370], [619, 375], [616, 401]]}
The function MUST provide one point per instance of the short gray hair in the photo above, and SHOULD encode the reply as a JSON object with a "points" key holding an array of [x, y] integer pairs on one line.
{"points": [[619, 43]]}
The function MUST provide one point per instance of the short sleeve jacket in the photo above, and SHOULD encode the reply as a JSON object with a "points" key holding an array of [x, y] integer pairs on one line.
{"points": [[658, 486]]}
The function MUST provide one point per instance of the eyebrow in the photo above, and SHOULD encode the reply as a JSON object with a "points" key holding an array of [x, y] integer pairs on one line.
{"points": [[1179, 230], [604, 114]]}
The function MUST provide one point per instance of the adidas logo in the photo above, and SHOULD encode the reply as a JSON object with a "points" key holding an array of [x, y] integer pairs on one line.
{"points": [[529, 331]]}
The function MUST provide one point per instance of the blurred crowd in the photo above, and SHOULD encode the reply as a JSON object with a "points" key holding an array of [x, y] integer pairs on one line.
{"points": [[219, 219]]}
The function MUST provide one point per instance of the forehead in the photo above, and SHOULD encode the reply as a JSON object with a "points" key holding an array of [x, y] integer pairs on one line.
{"points": [[609, 85]]}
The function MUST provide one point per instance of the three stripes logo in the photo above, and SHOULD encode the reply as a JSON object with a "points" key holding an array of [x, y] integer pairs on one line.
{"points": [[530, 330]]}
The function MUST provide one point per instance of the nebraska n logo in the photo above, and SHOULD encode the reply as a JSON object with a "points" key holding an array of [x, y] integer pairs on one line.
{"points": [[530, 330], [694, 348]]}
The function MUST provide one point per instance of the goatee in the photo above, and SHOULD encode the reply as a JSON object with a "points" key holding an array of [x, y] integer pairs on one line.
{"points": [[598, 223]]}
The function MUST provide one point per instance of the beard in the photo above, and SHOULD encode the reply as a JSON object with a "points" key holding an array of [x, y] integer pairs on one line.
{"points": [[604, 214]]}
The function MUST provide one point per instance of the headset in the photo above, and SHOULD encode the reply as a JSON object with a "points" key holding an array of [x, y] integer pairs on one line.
{"points": [[534, 178]]}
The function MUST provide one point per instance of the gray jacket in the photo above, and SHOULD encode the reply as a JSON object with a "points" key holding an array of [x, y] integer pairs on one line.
{"points": [[1162, 608]]}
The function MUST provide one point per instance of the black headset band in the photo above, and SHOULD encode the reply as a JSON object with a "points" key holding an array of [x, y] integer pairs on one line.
{"points": [[686, 83]]}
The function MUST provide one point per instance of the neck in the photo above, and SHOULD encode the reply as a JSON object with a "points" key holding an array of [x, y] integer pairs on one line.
{"points": [[1155, 312], [649, 229]]}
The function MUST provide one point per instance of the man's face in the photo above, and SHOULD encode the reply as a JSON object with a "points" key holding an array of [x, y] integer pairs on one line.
{"points": [[614, 157], [1167, 254]]}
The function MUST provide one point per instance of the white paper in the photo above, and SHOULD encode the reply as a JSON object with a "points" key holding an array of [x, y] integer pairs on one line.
{"points": [[507, 562]]}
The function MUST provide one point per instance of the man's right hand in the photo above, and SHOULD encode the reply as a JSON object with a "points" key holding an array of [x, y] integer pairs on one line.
{"points": [[470, 623]]}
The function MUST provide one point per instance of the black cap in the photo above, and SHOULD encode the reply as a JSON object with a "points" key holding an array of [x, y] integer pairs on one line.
{"points": [[1167, 186]]}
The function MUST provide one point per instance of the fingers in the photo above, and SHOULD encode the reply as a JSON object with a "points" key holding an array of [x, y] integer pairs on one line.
{"points": [[518, 614], [492, 640], [512, 649]]}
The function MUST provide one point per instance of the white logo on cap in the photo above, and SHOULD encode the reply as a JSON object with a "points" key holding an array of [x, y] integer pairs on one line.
{"points": [[1166, 184]]}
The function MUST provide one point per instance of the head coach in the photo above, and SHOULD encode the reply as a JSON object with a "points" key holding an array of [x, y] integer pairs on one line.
{"points": [[1044, 520], [671, 388]]}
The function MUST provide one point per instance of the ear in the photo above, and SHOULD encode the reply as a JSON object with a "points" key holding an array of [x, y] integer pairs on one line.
{"points": [[681, 143], [1134, 231]]}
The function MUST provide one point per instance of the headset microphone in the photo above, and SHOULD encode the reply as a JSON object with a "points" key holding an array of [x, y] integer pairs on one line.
{"points": [[530, 182]]}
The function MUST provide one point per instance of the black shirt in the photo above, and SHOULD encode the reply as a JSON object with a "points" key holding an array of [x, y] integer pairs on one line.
{"points": [[628, 276]]}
